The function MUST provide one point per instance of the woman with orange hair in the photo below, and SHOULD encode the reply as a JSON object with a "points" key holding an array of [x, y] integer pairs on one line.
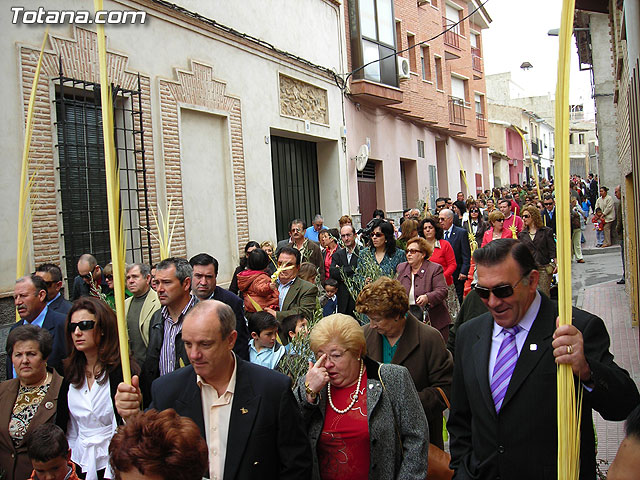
{"points": [[160, 446]]}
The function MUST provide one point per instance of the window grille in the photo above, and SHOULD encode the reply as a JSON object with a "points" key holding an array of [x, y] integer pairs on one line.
{"points": [[81, 171]]}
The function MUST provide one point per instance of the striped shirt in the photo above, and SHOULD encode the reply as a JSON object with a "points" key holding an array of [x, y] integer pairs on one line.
{"points": [[171, 330]]}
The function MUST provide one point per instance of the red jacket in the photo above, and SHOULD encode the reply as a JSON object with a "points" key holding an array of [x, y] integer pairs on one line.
{"points": [[488, 235], [444, 256], [257, 284]]}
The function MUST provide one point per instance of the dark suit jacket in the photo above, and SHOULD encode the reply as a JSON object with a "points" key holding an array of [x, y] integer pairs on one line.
{"points": [[346, 303], [521, 442], [483, 226], [241, 347], [300, 299], [266, 440], [543, 245], [459, 240], [60, 305], [549, 221], [421, 350], [55, 323], [14, 459]]}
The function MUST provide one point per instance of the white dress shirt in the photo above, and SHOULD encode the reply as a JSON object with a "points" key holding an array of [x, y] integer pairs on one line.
{"points": [[216, 411], [92, 423]]}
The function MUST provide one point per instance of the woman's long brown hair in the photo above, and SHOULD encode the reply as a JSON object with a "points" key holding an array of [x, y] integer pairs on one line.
{"points": [[107, 340]]}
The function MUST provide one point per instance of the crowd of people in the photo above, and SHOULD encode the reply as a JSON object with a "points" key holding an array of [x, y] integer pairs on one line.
{"points": [[393, 325]]}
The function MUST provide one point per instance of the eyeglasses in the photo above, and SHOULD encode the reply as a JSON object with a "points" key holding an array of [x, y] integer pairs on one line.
{"points": [[413, 251], [50, 284], [474, 210], [377, 234], [334, 357], [548, 203], [500, 220], [109, 277], [86, 276], [83, 325], [526, 216], [441, 219], [501, 291]]}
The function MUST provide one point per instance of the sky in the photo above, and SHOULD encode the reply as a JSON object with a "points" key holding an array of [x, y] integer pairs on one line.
{"points": [[518, 33]]}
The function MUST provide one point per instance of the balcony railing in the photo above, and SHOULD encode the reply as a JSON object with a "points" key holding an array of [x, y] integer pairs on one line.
{"points": [[476, 59], [456, 111], [481, 125], [451, 37]]}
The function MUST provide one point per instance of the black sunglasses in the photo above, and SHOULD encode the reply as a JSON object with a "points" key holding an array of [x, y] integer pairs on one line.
{"points": [[83, 325], [86, 276], [474, 210], [501, 291]]}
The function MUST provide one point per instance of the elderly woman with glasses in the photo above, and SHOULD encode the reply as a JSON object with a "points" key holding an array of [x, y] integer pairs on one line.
{"points": [[542, 245], [27, 401], [383, 249], [425, 285], [395, 336], [92, 371], [497, 230], [364, 419]]}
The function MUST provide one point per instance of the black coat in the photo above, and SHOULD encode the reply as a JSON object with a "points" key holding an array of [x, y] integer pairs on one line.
{"points": [[521, 441], [459, 240], [543, 245], [339, 261], [549, 221], [61, 305], [267, 439]]}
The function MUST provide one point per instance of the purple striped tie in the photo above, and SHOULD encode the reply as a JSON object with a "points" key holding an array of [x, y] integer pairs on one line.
{"points": [[505, 364]]}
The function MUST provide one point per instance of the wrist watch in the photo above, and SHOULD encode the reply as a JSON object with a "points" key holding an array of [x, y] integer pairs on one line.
{"points": [[310, 392]]}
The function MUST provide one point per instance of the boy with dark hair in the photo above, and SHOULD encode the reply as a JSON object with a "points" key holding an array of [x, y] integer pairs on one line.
{"points": [[330, 304], [50, 455], [291, 326], [263, 348]]}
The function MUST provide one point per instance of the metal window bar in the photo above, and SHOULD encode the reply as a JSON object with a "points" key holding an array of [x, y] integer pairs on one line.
{"points": [[481, 125], [82, 175], [452, 36], [456, 111]]}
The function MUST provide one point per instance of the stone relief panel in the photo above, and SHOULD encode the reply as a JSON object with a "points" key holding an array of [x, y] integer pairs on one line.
{"points": [[302, 100]]}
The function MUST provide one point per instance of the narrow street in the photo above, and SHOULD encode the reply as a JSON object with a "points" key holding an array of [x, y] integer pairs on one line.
{"points": [[596, 291]]}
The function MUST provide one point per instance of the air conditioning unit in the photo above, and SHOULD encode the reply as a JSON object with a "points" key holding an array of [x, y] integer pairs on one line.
{"points": [[403, 68]]}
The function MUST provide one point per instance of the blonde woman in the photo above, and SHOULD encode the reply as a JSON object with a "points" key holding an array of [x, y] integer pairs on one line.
{"points": [[364, 419]]}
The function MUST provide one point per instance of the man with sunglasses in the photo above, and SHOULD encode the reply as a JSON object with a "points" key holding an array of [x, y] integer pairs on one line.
{"points": [[549, 213], [52, 275], [88, 272], [503, 402]]}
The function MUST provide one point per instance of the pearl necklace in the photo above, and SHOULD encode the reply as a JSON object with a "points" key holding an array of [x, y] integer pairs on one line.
{"points": [[355, 395]]}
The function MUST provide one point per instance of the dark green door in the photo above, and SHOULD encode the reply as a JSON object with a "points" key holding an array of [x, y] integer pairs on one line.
{"points": [[294, 165]]}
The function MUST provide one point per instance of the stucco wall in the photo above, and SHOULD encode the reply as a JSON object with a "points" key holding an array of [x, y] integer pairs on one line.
{"points": [[167, 43]]}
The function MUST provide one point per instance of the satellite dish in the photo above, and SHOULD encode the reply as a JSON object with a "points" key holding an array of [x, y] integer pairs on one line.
{"points": [[362, 157]]}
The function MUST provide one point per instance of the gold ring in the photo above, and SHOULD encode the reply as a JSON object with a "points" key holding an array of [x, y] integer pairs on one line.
{"points": [[569, 349]]}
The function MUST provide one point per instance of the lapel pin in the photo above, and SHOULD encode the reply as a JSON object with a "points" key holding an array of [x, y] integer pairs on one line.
{"points": [[48, 405], [533, 347], [244, 411]]}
